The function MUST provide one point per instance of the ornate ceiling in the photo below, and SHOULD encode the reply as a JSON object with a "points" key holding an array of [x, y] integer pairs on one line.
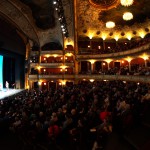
{"points": [[92, 16], [38, 21]]}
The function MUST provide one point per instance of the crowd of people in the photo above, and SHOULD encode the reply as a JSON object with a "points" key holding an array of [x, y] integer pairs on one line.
{"points": [[75, 117], [110, 47], [124, 70]]}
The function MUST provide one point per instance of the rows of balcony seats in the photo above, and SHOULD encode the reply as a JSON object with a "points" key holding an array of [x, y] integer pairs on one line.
{"points": [[111, 48], [75, 117], [136, 70]]}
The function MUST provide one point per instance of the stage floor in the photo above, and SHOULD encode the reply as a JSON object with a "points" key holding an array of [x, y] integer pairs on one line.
{"points": [[6, 93]]}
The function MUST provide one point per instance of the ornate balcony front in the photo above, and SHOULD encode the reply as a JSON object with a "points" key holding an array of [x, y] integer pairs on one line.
{"points": [[63, 76], [34, 53], [33, 77], [93, 55], [51, 52], [34, 64], [134, 78], [51, 65]]}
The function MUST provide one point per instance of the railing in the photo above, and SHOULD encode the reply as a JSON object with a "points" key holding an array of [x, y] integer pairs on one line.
{"points": [[145, 79], [51, 65], [59, 52], [34, 53], [33, 64], [112, 55]]}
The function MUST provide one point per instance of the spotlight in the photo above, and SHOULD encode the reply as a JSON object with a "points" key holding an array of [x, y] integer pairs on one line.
{"points": [[54, 2]]}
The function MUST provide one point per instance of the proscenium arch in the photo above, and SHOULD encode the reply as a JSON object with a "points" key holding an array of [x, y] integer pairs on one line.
{"points": [[12, 11]]}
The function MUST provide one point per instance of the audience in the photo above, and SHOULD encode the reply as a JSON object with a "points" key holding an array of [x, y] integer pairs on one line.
{"points": [[110, 48], [79, 115]]}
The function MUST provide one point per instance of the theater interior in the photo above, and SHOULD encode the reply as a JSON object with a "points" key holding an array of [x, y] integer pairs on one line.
{"points": [[83, 69]]}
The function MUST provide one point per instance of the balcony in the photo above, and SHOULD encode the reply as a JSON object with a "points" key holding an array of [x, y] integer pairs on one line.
{"points": [[34, 64], [144, 79], [69, 64], [56, 76], [34, 53], [52, 52], [95, 55], [33, 77], [141, 79], [51, 65]]}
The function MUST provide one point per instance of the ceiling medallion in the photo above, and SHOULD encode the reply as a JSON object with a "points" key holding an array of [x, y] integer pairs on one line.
{"points": [[126, 3], [104, 4]]}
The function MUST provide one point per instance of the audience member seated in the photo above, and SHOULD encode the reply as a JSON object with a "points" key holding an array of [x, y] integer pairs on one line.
{"points": [[79, 115]]}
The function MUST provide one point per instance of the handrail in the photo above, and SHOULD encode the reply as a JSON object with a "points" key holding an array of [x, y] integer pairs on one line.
{"points": [[117, 54], [135, 78]]}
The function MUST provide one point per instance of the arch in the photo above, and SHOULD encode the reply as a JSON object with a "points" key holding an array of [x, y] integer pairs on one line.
{"points": [[52, 46], [22, 20]]}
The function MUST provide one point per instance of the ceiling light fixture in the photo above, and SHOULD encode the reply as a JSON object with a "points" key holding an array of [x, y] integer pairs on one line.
{"points": [[110, 24], [126, 3], [127, 16]]}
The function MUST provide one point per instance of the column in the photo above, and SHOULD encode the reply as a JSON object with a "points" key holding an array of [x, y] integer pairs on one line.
{"points": [[145, 60], [108, 65], [104, 44], [89, 67], [129, 65], [92, 67]]}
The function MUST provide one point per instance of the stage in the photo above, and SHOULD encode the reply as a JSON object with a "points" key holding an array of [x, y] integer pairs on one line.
{"points": [[6, 93]]}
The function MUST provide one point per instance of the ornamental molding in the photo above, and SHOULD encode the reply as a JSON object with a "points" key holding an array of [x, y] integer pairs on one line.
{"points": [[104, 4]]}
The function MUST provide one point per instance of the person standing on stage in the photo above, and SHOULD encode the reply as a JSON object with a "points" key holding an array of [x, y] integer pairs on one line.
{"points": [[7, 85]]}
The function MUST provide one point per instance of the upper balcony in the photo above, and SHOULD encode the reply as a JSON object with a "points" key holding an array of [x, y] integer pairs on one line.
{"points": [[52, 52], [34, 53], [97, 55], [141, 79], [111, 48]]}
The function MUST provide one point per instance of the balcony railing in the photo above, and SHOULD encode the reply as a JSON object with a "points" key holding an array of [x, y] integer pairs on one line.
{"points": [[111, 55], [33, 64], [144, 79], [59, 52], [51, 65]]}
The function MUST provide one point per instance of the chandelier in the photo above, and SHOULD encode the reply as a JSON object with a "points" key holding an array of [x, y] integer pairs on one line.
{"points": [[126, 3], [127, 16], [110, 24]]}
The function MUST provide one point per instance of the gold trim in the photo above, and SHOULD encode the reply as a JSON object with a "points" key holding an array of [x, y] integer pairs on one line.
{"points": [[113, 4]]}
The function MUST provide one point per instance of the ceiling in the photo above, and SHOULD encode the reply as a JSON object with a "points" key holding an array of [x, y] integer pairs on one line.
{"points": [[38, 21], [93, 15], [43, 13], [10, 38]]}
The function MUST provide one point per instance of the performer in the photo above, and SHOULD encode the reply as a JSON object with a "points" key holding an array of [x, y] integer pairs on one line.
{"points": [[7, 85], [1, 87]]}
